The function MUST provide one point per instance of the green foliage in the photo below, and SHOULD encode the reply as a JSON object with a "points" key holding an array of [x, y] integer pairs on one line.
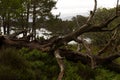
{"points": [[71, 72], [78, 71], [102, 14], [117, 60], [13, 66], [44, 66], [103, 74], [11, 57], [99, 39], [25, 64]]}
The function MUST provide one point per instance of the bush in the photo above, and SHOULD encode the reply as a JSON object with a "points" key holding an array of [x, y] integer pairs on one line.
{"points": [[13, 66], [25, 64], [104, 74], [44, 65]]}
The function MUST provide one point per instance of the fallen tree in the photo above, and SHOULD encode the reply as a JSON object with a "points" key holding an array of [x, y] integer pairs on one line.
{"points": [[54, 45]]}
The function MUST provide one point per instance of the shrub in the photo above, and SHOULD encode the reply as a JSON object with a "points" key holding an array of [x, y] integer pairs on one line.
{"points": [[13, 66], [25, 64]]}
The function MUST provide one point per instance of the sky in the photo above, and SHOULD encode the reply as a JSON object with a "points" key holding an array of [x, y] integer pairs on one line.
{"points": [[69, 8]]}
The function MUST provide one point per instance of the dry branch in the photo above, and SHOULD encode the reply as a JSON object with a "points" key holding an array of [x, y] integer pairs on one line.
{"points": [[108, 44], [82, 29], [92, 12], [86, 59], [54, 44], [61, 64], [88, 50], [68, 54]]}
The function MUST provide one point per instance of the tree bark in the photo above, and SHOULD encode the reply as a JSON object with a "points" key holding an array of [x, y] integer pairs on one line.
{"points": [[34, 20]]}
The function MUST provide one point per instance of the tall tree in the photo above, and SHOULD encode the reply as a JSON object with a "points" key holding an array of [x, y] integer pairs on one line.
{"points": [[9, 10], [41, 9]]}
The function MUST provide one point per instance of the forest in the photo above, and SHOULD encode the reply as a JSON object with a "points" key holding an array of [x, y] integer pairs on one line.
{"points": [[37, 45]]}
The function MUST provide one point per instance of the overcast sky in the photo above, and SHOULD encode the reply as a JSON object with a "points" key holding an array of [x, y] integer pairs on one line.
{"points": [[77, 7]]}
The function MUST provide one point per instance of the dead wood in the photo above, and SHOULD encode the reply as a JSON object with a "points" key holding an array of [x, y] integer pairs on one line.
{"points": [[54, 44]]}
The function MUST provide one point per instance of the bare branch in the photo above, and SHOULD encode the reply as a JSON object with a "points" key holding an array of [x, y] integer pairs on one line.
{"points": [[85, 59], [118, 26], [92, 12], [101, 29], [82, 29], [112, 57], [54, 44], [61, 64], [89, 52], [105, 24], [81, 40], [108, 44]]}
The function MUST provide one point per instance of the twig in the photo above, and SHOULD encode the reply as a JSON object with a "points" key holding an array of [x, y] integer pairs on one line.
{"points": [[92, 12], [89, 52], [108, 44]]}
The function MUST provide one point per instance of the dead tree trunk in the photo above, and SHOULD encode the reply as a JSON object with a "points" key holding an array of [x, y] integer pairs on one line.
{"points": [[53, 46]]}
